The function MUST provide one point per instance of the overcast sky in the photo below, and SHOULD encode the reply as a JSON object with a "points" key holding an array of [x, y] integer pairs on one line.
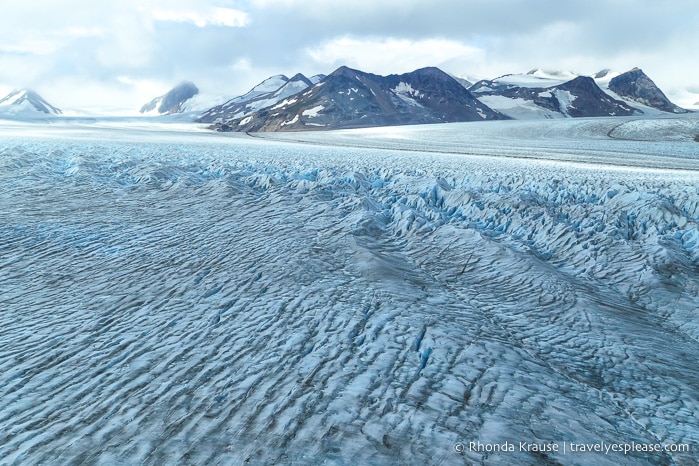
{"points": [[118, 54]]}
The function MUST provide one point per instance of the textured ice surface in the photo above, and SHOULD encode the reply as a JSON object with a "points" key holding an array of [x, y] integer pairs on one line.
{"points": [[178, 297]]}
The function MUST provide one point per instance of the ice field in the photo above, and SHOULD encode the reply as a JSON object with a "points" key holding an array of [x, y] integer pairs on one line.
{"points": [[170, 295]]}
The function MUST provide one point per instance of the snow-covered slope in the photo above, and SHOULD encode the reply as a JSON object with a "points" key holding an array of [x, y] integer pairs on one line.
{"points": [[546, 95], [536, 94], [26, 104], [316, 78], [270, 84], [531, 79], [517, 107], [267, 93], [553, 75], [192, 298], [603, 77]]}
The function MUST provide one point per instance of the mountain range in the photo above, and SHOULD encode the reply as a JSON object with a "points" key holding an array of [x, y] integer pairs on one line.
{"points": [[538, 94], [349, 98]]}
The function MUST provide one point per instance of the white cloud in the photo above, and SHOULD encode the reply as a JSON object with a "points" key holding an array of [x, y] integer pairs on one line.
{"points": [[45, 42], [146, 87], [242, 65], [227, 46], [216, 16], [31, 45], [390, 55]]}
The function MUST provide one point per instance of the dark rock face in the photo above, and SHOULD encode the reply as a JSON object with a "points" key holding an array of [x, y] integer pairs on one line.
{"points": [[350, 98], [635, 85], [579, 97], [173, 101], [20, 96], [442, 95], [591, 101]]}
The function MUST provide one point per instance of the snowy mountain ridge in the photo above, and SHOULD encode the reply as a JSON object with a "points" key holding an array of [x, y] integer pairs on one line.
{"points": [[349, 98], [536, 94], [539, 93], [533, 95], [268, 93], [26, 103]]}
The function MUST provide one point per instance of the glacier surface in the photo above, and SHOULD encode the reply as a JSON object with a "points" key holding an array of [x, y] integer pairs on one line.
{"points": [[374, 296]]}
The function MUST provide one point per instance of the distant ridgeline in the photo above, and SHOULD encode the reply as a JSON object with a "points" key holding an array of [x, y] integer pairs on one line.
{"points": [[349, 98]]}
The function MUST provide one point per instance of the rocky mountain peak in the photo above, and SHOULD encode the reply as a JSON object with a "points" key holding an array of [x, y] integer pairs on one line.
{"points": [[635, 85], [26, 101], [300, 77], [173, 101]]}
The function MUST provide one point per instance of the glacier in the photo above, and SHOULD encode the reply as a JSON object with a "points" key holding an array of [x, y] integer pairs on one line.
{"points": [[373, 296]]}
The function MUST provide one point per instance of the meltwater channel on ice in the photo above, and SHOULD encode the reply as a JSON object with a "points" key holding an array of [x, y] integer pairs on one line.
{"points": [[408, 295]]}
